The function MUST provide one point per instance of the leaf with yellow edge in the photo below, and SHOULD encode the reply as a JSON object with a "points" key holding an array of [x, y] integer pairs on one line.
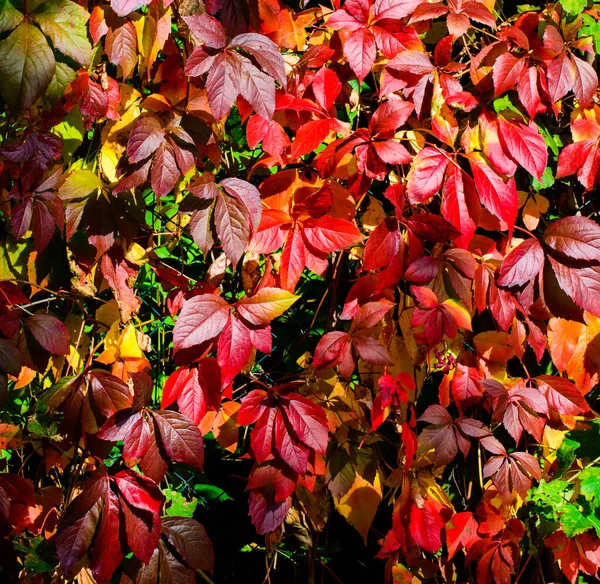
{"points": [[359, 504], [265, 305], [459, 311]]}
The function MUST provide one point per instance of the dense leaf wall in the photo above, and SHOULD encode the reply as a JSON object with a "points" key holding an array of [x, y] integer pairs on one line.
{"points": [[299, 292]]}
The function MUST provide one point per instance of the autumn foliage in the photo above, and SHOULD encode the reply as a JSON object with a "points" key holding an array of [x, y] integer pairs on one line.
{"points": [[299, 292]]}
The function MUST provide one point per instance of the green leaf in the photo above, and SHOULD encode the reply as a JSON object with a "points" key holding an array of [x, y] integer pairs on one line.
{"points": [[546, 182], [590, 485], [70, 131], [551, 497], [65, 23], [211, 493], [588, 440], [591, 28], [63, 75], [27, 66], [10, 17], [566, 455], [178, 505], [573, 521], [574, 6]]}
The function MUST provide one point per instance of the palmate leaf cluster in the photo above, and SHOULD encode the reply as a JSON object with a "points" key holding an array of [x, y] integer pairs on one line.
{"points": [[295, 293]]}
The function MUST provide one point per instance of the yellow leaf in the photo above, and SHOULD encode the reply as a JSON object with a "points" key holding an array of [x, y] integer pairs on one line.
{"points": [[128, 344], [79, 184], [108, 313], [136, 254], [79, 342], [373, 215], [359, 504], [551, 442], [116, 134]]}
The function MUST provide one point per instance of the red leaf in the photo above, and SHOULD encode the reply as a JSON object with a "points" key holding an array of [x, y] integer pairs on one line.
{"points": [[308, 420], [460, 204], [107, 551], [426, 175], [332, 349], [525, 145], [145, 138], [293, 260], [125, 7], [383, 245], [498, 196], [522, 264], [580, 284], [426, 526], [121, 47], [326, 87], [576, 237], [201, 319], [506, 72], [222, 84], [585, 81], [560, 77], [233, 350], [207, 29], [165, 172], [191, 541], [562, 395], [575, 554], [309, 137], [196, 389], [329, 234], [461, 532], [360, 50], [270, 497]]}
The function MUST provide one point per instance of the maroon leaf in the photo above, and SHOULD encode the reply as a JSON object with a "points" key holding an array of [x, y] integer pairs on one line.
{"points": [[581, 284], [191, 542], [180, 438], [49, 332]]}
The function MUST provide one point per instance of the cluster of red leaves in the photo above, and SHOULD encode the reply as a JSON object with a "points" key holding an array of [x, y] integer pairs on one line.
{"points": [[393, 142]]}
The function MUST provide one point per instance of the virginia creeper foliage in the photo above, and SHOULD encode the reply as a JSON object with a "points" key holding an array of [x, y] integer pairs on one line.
{"points": [[319, 282]]}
